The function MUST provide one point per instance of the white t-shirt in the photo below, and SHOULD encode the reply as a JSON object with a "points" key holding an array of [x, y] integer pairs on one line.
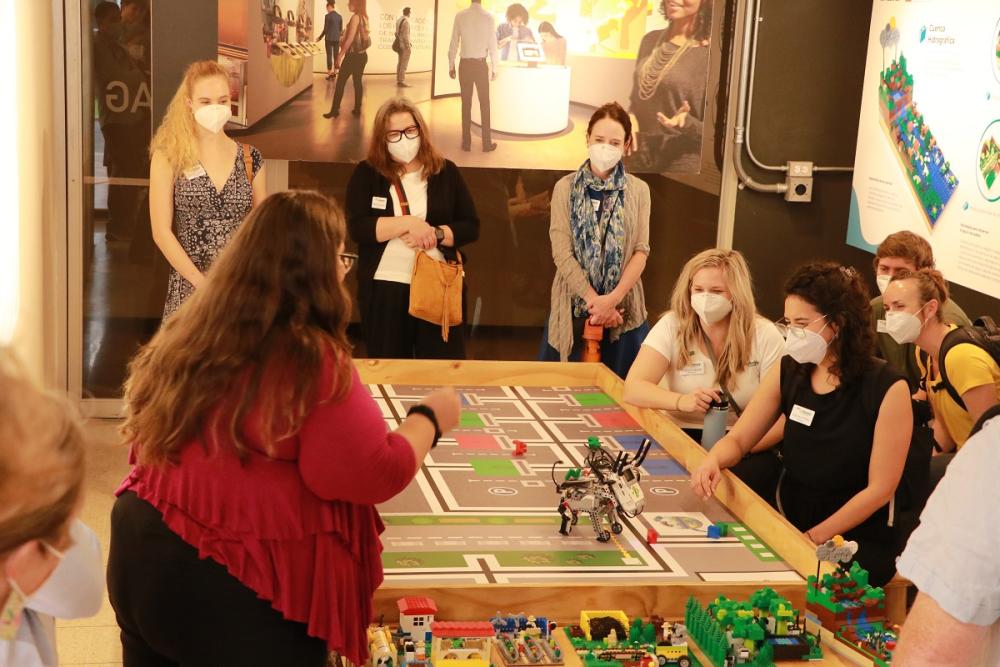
{"points": [[768, 347], [952, 555], [398, 259]]}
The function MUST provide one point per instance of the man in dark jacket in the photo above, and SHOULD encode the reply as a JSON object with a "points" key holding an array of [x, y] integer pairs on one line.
{"points": [[332, 24]]}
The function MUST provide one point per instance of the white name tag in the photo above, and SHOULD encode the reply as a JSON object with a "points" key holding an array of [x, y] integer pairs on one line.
{"points": [[380, 203], [693, 369], [880, 326], [597, 205], [194, 172], [802, 415]]}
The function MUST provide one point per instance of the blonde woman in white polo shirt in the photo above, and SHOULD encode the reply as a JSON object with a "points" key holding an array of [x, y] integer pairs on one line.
{"points": [[711, 338]]}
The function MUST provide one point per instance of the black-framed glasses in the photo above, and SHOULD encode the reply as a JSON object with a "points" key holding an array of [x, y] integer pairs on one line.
{"points": [[786, 328], [412, 132], [348, 259]]}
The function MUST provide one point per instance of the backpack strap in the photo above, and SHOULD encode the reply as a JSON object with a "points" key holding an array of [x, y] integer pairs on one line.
{"points": [[248, 163], [951, 339], [986, 416]]}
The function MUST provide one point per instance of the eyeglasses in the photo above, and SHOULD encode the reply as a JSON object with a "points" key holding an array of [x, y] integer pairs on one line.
{"points": [[348, 259], [785, 327], [393, 136]]}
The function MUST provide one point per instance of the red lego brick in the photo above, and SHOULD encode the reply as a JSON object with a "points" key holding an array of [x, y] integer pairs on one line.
{"points": [[416, 606], [652, 536], [455, 629], [520, 449]]}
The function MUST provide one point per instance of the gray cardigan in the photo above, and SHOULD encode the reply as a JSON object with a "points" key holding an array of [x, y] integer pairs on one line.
{"points": [[571, 280]]}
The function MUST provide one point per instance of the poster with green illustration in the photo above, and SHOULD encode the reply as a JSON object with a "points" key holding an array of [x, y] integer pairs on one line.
{"points": [[928, 151]]}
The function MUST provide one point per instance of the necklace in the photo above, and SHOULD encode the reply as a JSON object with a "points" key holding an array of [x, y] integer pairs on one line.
{"points": [[656, 67]]}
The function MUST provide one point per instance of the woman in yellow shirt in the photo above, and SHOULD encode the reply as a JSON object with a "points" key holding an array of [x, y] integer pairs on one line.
{"points": [[913, 303]]}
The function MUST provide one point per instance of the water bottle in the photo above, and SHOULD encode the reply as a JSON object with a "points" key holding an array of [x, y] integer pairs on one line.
{"points": [[716, 420]]}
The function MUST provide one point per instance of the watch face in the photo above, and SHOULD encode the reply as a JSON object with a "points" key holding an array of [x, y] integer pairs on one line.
{"points": [[439, 234]]}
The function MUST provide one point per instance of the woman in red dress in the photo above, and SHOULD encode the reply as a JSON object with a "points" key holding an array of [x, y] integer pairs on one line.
{"points": [[246, 532]]}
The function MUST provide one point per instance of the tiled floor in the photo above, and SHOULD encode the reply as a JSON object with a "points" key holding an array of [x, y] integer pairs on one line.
{"points": [[94, 641]]}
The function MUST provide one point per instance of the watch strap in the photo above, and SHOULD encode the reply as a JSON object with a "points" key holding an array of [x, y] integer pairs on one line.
{"points": [[425, 411]]}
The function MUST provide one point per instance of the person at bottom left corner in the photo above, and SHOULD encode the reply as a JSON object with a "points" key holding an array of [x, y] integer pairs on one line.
{"points": [[403, 199]]}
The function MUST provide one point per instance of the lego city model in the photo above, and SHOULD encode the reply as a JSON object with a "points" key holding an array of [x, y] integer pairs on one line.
{"points": [[608, 639], [608, 486], [754, 633]]}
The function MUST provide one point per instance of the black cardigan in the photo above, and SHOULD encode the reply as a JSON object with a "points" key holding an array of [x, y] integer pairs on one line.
{"points": [[448, 203]]}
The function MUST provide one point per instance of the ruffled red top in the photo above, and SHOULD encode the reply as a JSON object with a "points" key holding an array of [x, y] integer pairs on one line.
{"points": [[297, 526]]}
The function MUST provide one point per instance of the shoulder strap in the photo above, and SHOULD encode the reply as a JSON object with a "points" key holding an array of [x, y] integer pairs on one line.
{"points": [[248, 163], [953, 338], [404, 206], [715, 362]]}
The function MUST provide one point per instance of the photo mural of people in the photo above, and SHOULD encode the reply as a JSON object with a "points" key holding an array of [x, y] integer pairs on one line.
{"points": [[668, 90], [506, 84]]}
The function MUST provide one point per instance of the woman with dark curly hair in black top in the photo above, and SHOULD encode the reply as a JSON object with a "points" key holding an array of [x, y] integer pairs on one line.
{"points": [[846, 418]]}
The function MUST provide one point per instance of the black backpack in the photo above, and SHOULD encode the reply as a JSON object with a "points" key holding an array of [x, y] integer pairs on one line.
{"points": [[984, 334]]}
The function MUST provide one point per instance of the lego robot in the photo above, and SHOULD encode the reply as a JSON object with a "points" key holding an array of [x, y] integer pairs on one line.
{"points": [[608, 487]]}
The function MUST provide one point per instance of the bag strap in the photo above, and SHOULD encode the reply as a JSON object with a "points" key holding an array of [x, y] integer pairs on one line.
{"points": [[248, 163], [715, 362], [951, 339], [404, 206]]}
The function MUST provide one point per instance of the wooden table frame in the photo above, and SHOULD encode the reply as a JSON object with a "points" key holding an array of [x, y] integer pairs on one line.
{"points": [[468, 602]]}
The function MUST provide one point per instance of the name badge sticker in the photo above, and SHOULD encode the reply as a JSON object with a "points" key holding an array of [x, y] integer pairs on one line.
{"points": [[802, 415], [195, 172], [694, 369], [880, 326], [380, 203]]}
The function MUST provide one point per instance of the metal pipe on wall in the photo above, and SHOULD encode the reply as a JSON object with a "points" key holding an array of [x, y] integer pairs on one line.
{"points": [[741, 110], [748, 69]]}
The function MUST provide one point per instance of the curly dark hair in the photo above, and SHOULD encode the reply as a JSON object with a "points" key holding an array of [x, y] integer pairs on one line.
{"points": [[702, 25], [838, 293]]}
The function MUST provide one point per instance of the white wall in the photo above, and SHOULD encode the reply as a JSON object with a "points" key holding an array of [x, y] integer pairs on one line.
{"points": [[34, 333]]}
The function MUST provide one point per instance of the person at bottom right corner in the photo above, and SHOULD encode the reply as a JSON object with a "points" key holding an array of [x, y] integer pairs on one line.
{"points": [[951, 558]]}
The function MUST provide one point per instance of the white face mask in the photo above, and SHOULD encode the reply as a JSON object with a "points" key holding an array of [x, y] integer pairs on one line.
{"points": [[604, 156], [904, 327], [883, 282], [12, 609], [808, 348], [711, 308], [213, 117], [404, 150]]}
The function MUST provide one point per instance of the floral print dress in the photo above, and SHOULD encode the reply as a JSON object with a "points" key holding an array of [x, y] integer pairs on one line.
{"points": [[205, 219]]}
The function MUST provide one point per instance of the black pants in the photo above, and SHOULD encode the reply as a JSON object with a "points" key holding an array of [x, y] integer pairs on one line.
{"points": [[174, 608], [354, 66], [332, 51], [474, 72], [392, 333]]}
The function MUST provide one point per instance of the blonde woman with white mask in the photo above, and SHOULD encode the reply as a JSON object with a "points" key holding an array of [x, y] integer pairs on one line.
{"points": [[201, 183], [711, 343]]}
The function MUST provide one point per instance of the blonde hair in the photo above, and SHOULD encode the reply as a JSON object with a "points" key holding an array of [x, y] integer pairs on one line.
{"points": [[177, 136], [41, 460], [690, 334]]}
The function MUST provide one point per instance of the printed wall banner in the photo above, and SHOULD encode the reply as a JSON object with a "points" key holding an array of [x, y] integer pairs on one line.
{"points": [[928, 157], [558, 60]]}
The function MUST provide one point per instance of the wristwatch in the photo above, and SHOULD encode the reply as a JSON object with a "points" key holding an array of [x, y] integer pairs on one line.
{"points": [[425, 411], [439, 235]]}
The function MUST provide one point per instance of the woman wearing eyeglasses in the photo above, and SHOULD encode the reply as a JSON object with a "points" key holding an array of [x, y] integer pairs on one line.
{"points": [[441, 218], [246, 532], [847, 416]]}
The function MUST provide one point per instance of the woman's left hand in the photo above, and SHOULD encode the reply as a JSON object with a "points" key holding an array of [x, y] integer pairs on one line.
{"points": [[602, 308], [677, 121]]}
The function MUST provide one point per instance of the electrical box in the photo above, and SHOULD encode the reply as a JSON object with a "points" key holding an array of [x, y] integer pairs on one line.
{"points": [[799, 181]]}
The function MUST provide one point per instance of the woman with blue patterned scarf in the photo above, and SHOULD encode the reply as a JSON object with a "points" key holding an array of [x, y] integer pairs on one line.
{"points": [[600, 243]]}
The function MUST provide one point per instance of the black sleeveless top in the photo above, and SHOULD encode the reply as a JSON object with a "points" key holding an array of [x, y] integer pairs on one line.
{"points": [[826, 461]]}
